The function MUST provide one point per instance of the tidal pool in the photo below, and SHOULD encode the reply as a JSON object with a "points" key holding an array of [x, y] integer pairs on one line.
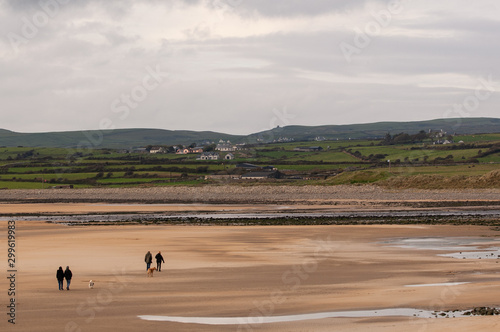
{"points": [[464, 247], [253, 320]]}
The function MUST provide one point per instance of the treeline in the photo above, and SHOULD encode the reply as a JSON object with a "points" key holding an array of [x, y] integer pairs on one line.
{"points": [[403, 138]]}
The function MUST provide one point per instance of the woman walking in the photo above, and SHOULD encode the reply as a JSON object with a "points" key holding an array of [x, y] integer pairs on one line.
{"points": [[60, 277]]}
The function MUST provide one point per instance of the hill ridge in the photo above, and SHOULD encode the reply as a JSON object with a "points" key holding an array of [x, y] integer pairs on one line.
{"points": [[135, 137]]}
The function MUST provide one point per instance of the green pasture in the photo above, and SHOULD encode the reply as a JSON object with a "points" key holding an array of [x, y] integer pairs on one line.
{"points": [[325, 156], [477, 138], [49, 169], [493, 158], [403, 152], [128, 180], [48, 176], [32, 185], [444, 170], [375, 175], [327, 167], [155, 184]]}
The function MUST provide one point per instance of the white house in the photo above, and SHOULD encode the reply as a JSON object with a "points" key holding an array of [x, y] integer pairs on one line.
{"points": [[208, 156], [225, 146], [157, 149]]}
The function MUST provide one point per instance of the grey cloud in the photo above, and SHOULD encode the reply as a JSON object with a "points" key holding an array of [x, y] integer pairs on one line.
{"points": [[63, 81], [295, 7]]}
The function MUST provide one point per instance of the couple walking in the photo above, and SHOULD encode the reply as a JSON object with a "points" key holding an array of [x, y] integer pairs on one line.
{"points": [[61, 275], [149, 259]]}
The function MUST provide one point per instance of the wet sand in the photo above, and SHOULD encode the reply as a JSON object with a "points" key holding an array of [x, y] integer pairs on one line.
{"points": [[103, 208], [245, 271]]}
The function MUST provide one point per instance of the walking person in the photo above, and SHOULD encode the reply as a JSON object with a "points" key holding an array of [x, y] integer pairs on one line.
{"points": [[60, 277], [148, 259], [68, 275], [159, 260]]}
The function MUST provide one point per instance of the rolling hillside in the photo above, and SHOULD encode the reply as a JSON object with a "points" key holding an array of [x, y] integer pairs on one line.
{"points": [[379, 129], [119, 138], [126, 138]]}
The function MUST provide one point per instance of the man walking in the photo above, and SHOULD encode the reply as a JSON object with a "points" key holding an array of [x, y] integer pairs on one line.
{"points": [[159, 260], [68, 275], [148, 259], [60, 277]]}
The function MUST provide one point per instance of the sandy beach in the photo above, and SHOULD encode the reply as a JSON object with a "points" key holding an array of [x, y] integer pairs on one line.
{"points": [[241, 277], [248, 272]]}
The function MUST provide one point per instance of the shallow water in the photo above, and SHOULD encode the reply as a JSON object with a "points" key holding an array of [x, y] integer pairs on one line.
{"points": [[465, 247], [119, 217], [251, 320], [438, 285]]}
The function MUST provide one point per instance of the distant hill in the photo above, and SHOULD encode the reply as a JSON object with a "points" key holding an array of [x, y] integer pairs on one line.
{"points": [[127, 138], [118, 138], [379, 129]]}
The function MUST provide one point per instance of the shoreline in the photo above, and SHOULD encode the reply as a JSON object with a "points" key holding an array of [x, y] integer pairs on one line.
{"points": [[199, 218]]}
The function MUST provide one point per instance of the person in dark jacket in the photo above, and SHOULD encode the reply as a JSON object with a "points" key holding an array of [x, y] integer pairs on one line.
{"points": [[159, 260], [148, 259], [68, 275], [60, 277]]}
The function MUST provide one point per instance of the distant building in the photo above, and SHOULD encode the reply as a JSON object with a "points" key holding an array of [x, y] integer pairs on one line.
{"points": [[247, 166], [260, 175], [308, 149], [182, 151], [283, 140], [443, 142], [208, 156], [196, 149], [157, 149], [139, 150], [225, 146], [229, 156]]}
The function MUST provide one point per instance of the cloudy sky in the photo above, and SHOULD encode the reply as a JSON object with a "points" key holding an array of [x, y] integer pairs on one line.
{"points": [[242, 66]]}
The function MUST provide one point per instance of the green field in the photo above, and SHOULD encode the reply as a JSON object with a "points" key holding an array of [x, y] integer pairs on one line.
{"points": [[339, 162]]}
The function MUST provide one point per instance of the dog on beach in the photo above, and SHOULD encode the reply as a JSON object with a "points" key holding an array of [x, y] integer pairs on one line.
{"points": [[91, 284], [150, 271]]}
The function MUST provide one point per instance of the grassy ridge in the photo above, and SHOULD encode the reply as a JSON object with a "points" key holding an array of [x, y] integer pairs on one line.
{"points": [[127, 138]]}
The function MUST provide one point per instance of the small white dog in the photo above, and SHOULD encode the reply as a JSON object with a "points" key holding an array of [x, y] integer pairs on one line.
{"points": [[91, 284]]}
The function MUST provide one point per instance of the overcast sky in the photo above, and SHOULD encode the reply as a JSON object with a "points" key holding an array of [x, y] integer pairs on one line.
{"points": [[242, 66]]}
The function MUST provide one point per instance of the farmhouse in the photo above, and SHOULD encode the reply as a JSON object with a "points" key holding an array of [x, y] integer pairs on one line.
{"points": [[157, 149], [225, 147], [208, 156], [196, 149]]}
